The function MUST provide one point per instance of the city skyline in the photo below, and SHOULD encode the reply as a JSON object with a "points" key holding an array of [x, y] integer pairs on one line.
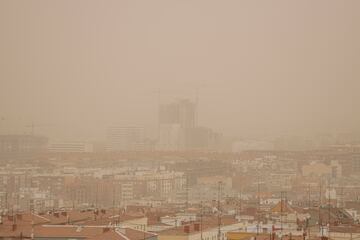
{"points": [[179, 119]]}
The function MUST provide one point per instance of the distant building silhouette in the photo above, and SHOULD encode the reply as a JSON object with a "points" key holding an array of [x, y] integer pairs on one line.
{"points": [[21, 147], [178, 129], [70, 147], [181, 112], [175, 121], [126, 138]]}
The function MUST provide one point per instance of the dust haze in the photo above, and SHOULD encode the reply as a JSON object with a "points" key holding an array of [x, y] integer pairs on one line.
{"points": [[180, 119], [257, 68]]}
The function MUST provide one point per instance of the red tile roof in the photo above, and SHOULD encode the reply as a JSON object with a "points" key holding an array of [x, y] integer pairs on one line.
{"points": [[71, 231], [208, 223]]}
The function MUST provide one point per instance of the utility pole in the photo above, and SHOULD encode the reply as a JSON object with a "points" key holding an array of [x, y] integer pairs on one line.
{"points": [[113, 200], [240, 203], [258, 205], [320, 202], [329, 210], [281, 211], [308, 226], [96, 194], [187, 191], [342, 197], [6, 201], [143, 226], [201, 221], [159, 114], [119, 217], [73, 191], [219, 212]]}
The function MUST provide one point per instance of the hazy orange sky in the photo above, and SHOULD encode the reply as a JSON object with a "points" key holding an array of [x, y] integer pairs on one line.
{"points": [[260, 67]]}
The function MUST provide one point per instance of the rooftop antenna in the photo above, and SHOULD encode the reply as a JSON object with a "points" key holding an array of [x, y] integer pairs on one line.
{"points": [[196, 106], [32, 127], [159, 109], [309, 196]]}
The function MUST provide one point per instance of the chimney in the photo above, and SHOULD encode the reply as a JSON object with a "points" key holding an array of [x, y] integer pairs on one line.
{"points": [[197, 226], [106, 229], [186, 229]]}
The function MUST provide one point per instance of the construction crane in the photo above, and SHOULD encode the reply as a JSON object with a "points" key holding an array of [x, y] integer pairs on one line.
{"points": [[32, 127]]}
